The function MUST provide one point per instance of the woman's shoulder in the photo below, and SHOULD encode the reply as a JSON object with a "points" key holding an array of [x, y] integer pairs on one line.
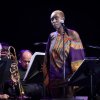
{"points": [[73, 34], [53, 34]]}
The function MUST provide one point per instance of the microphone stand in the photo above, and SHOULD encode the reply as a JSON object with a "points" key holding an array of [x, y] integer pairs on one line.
{"points": [[64, 64], [64, 69]]}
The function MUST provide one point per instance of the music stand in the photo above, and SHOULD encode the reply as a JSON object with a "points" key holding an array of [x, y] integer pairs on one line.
{"points": [[34, 72], [87, 74]]}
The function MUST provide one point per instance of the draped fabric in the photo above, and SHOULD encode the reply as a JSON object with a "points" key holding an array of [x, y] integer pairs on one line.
{"points": [[62, 50]]}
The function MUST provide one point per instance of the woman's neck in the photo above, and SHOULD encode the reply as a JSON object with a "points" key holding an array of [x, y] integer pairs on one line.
{"points": [[60, 31]]}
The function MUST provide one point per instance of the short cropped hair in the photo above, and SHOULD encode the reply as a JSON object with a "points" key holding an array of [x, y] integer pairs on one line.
{"points": [[22, 51], [59, 12]]}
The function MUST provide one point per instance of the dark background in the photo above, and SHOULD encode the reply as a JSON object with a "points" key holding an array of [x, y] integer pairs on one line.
{"points": [[25, 23]]}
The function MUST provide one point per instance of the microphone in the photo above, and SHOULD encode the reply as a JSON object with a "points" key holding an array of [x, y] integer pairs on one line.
{"points": [[39, 43], [63, 25], [95, 47], [62, 22]]}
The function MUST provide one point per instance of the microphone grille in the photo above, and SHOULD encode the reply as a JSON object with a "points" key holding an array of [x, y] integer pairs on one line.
{"points": [[62, 21]]}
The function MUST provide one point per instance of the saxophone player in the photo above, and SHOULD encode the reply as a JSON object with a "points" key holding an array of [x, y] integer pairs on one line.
{"points": [[3, 54], [9, 77]]}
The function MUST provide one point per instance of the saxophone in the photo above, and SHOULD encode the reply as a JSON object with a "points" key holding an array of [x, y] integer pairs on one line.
{"points": [[15, 76]]}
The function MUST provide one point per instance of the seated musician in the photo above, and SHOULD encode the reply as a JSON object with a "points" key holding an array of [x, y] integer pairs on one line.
{"points": [[3, 54], [31, 89]]}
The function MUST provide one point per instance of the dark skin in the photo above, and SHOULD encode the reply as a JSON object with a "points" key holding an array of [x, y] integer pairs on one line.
{"points": [[56, 19]]}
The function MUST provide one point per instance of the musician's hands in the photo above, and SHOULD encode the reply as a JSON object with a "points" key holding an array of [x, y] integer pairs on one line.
{"points": [[4, 96]]}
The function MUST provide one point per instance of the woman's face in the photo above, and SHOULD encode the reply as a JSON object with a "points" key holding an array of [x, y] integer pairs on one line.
{"points": [[56, 20]]}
